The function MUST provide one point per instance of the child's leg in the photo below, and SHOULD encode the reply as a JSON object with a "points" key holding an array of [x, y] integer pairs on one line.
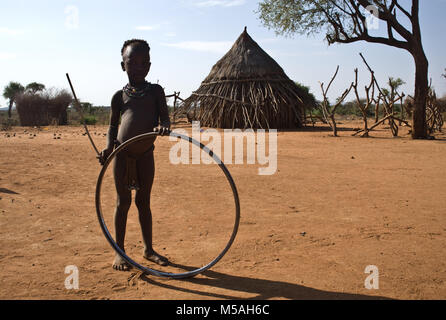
{"points": [[124, 199], [146, 173]]}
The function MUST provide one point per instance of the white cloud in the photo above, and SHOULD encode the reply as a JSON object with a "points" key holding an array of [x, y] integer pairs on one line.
{"points": [[221, 3], [147, 28], [203, 46], [10, 32]]}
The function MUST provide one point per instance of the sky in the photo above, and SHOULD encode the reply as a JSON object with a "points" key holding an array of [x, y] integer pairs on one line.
{"points": [[42, 40]]}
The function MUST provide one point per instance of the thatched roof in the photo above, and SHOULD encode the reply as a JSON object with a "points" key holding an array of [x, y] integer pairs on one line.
{"points": [[246, 89]]}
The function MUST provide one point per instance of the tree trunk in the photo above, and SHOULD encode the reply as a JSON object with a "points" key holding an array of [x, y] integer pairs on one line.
{"points": [[11, 102], [333, 122], [377, 112], [419, 125], [402, 111], [366, 129]]}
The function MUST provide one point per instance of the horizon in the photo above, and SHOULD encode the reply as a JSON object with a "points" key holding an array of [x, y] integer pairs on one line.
{"points": [[50, 38]]}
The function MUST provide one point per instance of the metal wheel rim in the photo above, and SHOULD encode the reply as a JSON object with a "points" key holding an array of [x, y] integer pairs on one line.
{"points": [[122, 253]]}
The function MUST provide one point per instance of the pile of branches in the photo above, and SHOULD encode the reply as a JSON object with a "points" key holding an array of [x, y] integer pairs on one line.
{"points": [[375, 95], [434, 116], [434, 110], [44, 108]]}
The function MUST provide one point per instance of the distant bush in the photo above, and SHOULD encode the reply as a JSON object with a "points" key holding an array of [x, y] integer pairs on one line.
{"points": [[6, 123], [102, 115], [98, 115], [351, 108], [307, 97], [90, 120]]}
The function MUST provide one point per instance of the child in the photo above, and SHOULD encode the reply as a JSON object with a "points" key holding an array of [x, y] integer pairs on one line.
{"points": [[140, 105]]}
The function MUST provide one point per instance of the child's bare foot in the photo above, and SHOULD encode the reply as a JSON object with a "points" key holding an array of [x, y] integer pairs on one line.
{"points": [[156, 258], [120, 264]]}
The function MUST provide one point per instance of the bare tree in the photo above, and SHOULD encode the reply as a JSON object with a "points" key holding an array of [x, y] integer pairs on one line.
{"points": [[364, 105], [346, 21], [329, 110]]}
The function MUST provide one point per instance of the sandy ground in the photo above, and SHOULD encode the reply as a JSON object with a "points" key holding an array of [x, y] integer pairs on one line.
{"points": [[334, 207]]}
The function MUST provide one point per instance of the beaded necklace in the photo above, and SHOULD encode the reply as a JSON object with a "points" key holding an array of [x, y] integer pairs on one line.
{"points": [[136, 93]]}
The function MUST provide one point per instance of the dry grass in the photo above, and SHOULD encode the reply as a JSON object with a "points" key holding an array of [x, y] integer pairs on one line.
{"points": [[42, 109]]}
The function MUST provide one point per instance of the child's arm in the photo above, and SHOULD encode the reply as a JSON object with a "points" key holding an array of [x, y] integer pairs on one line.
{"points": [[115, 113], [163, 112]]}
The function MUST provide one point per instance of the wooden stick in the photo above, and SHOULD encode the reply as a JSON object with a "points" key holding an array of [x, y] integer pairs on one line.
{"points": [[79, 109]]}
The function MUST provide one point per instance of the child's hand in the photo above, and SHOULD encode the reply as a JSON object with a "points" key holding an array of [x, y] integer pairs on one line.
{"points": [[104, 155], [163, 131]]}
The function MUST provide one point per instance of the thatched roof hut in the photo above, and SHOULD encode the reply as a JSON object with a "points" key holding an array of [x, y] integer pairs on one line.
{"points": [[246, 89]]}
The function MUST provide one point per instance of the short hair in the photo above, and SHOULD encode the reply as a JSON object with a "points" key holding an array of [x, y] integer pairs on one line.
{"points": [[139, 42]]}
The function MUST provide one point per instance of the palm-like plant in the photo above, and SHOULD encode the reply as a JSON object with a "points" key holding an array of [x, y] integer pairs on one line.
{"points": [[394, 85], [10, 92]]}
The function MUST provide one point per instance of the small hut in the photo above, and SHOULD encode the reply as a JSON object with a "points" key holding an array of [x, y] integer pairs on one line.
{"points": [[246, 89]]}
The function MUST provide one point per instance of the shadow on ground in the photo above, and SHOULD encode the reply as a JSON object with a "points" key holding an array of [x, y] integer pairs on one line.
{"points": [[4, 190], [262, 289]]}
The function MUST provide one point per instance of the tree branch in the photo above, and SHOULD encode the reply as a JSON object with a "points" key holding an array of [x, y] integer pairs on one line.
{"points": [[365, 37], [386, 15]]}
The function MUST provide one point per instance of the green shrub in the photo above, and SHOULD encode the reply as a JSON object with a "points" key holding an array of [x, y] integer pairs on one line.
{"points": [[90, 120]]}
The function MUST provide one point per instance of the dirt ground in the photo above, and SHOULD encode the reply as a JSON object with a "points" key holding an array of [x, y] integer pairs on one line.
{"points": [[334, 207]]}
